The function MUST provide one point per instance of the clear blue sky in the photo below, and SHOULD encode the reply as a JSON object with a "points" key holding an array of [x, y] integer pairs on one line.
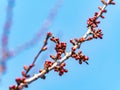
{"points": [[103, 73]]}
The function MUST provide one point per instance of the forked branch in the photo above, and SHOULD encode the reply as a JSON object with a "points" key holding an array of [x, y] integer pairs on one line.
{"points": [[58, 63]]}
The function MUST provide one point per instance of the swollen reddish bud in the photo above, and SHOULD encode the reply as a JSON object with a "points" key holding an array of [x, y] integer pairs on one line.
{"points": [[97, 22], [104, 11], [60, 74], [63, 44], [18, 80], [100, 36], [96, 13], [65, 70], [72, 41], [80, 62], [53, 57], [32, 65], [63, 64], [40, 71], [76, 39], [81, 40], [52, 39], [23, 73], [49, 34], [73, 49], [59, 53], [99, 7], [25, 67], [90, 38], [86, 58], [79, 52], [57, 40], [102, 16], [103, 1], [12, 87], [44, 48], [113, 3]]}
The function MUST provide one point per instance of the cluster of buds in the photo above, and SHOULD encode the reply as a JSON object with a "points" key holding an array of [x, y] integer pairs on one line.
{"points": [[18, 81], [47, 64], [106, 3], [59, 48], [61, 69], [76, 41], [21, 80], [97, 34], [93, 22], [80, 56]]}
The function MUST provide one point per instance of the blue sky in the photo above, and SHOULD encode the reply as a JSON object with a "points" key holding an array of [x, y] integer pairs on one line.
{"points": [[102, 73]]}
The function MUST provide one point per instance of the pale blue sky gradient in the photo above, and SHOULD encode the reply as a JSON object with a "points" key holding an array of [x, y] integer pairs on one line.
{"points": [[103, 71]]}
